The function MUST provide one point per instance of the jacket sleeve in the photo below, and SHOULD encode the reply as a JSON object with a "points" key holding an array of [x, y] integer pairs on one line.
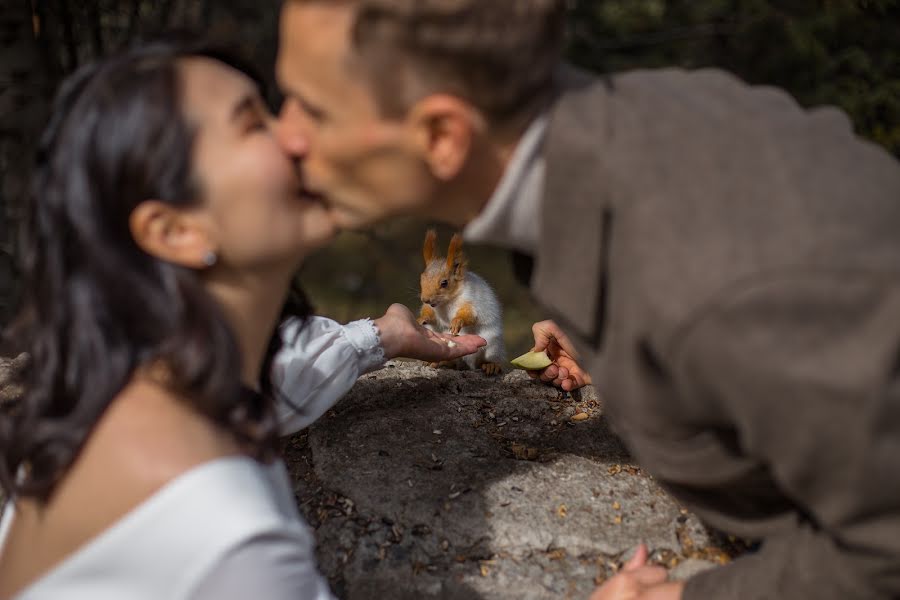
{"points": [[805, 372], [319, 362]]}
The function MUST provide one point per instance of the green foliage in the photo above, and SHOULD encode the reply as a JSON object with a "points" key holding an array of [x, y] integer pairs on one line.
{"points": [[843, 52]]}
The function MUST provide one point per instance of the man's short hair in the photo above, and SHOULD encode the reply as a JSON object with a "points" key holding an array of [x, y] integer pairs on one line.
{"points": [[499, 55]]}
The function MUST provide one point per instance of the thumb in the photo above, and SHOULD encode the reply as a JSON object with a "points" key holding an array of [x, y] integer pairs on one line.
{"points": [[400, 310], [543, 335], [638, 560]]}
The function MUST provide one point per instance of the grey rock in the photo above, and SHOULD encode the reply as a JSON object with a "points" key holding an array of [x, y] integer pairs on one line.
{"points": [[468, 486]]}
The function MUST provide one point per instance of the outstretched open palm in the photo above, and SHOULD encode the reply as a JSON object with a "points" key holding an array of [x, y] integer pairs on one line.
{"points": [[403, 336]]}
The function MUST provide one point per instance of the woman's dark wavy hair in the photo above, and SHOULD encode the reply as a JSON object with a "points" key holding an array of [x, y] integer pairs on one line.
{"points": [[95, 307]]}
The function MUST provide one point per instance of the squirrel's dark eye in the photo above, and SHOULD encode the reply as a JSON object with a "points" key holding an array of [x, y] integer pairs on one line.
{"points": [[444, 283]]}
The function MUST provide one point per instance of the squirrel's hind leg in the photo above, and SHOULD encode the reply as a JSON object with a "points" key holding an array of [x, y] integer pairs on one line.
{"points": [[491, 368]]}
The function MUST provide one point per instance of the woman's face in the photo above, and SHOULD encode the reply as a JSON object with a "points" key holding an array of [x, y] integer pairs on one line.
{"points": [[251, 193]]}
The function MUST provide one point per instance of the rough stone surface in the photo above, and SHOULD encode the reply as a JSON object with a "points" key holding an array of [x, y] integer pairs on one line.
{"points": [[432, 483], [429, 483]]}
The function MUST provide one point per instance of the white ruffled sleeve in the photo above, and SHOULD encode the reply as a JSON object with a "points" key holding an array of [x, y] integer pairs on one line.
{"points": [[319, 363]]}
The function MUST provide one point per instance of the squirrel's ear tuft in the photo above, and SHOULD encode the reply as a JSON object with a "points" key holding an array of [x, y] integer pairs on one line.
{"points": [[455, 257], [429, 247]]}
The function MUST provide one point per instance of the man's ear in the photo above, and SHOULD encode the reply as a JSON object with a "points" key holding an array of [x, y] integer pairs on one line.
{"points": [[445, 127], [170, 234]]}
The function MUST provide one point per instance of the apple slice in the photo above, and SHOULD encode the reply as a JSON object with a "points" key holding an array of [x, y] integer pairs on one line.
{"points": [[532, 361]]}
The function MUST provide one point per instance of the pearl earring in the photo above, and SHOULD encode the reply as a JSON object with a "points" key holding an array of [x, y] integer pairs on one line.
{"points": [[210, 258]]}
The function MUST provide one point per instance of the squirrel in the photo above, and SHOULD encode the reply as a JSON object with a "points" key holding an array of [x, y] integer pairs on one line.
{"points": [[456, 300]]}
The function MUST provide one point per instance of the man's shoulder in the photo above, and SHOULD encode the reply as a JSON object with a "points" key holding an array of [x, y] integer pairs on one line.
{"points": [[675, 92]]}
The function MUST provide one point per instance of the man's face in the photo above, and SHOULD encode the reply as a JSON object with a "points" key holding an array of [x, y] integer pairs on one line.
{"points": [[367, 167]]}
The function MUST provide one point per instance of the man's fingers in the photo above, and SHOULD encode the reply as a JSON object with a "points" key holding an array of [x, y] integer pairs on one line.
{"points": [[541, 335], [561, 376], [638, 560], [549, 374], [650, 575], [643, 582], [574, 381], [565, 343], [546, 331]]}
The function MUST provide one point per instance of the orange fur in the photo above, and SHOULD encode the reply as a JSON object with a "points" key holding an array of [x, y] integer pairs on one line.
{"points": [[465, 317], [455, 258], [453, 268], [426, 315], [429, 247]]}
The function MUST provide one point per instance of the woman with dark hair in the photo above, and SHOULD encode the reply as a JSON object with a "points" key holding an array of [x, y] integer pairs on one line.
{"points": [[165, 229]]}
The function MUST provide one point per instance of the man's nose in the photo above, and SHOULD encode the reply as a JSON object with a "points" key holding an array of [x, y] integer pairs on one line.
{"points": [[291, 131]]}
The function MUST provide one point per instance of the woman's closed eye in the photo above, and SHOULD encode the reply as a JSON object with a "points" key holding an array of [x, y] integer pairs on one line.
{"points": [[250, 116], [253, 124]]}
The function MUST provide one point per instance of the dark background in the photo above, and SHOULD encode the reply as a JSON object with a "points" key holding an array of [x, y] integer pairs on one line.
{"points": [[843, 52]]}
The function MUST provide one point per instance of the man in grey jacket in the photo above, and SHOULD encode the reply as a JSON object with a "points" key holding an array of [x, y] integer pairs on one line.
{"points": [[726, 263]]}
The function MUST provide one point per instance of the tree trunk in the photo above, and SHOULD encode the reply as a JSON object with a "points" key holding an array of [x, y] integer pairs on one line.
{"points": [[24, 102]]}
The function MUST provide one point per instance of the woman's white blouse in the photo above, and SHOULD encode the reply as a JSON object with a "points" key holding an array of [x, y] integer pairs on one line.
{"points": [[225, 530], [228, 529], [319, 362]]}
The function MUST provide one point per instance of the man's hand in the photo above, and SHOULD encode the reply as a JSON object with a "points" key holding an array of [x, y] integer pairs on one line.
{"points": [[564, 372], [402, 336], [639, 581]]}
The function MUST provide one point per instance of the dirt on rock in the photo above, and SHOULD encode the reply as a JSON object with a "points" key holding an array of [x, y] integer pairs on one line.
{"points": [[434, 483]]}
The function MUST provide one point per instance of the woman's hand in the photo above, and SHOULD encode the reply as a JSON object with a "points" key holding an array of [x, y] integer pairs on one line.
{"points": [[565, 372], [402, 335], [639, 581]]}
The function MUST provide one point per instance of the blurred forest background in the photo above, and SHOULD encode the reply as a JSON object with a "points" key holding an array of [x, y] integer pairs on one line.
{"points": [[843, 52]]}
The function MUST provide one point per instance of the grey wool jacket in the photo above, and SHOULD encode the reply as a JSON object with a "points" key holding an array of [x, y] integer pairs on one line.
{"points": [[729, 266]]}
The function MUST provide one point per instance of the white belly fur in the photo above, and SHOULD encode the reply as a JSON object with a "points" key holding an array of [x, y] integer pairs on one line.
{"points": [[488, 320]]}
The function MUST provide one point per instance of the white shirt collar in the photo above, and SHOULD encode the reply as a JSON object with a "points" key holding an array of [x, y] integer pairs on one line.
{"points": [[511, 217]]}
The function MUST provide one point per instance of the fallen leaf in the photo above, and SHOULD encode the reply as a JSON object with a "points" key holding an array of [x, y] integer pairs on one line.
{"points": [[556, 554]]}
